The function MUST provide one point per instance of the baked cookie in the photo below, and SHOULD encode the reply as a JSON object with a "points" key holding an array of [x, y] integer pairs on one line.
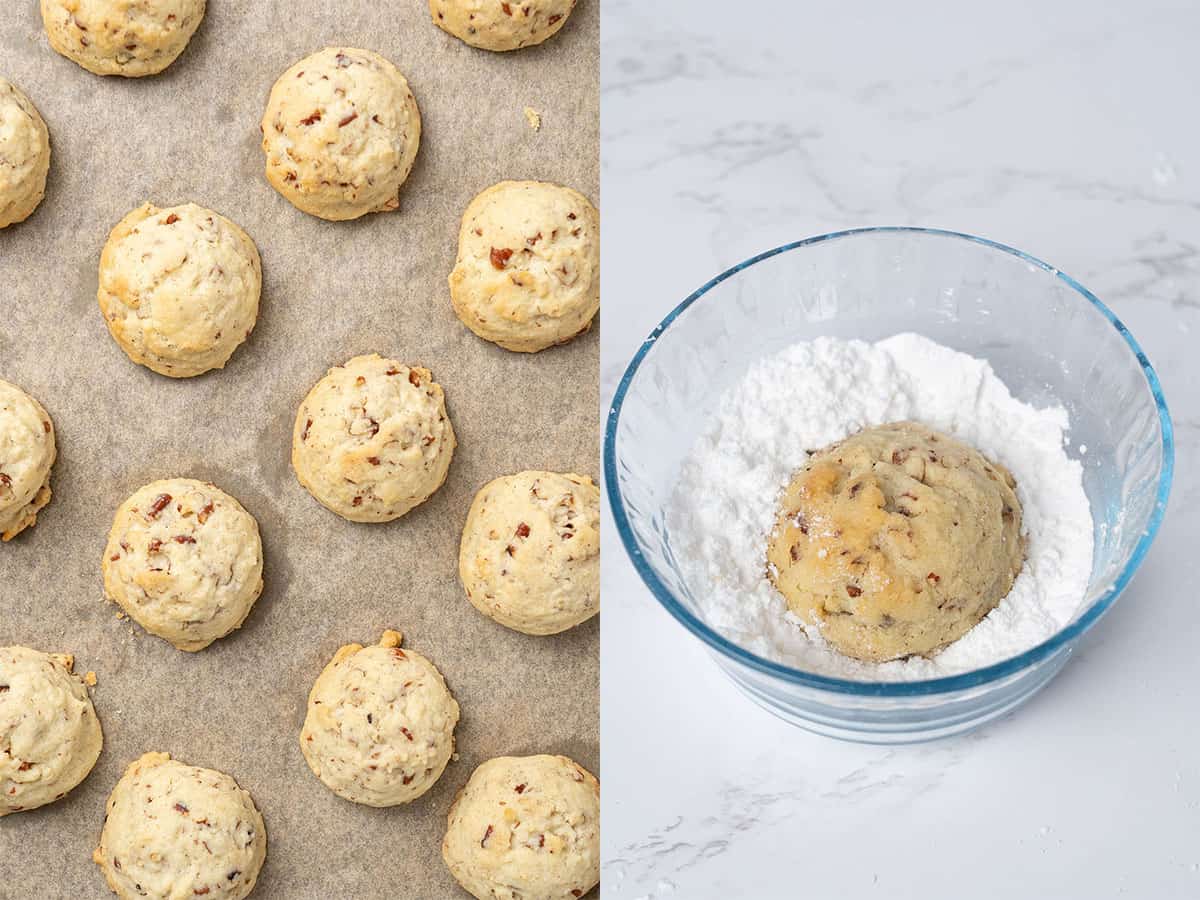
{"points": [[526, 828], [896, 541], [341, 133], [185, 561], [49, 734], [173, 831], [372, 439], [497, 25], [179, 288], [380, 724], [24, 155], [121, 37], [530, 551], [528, 269], [27, 453]]}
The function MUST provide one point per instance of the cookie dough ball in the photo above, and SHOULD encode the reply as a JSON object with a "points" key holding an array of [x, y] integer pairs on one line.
{"points": [[24, 155], [896, 541], [496, 25], [173, 831], [526, 827], [341, 133], [530, 552], [528, 270], [121, 37], [27, 453], [185, 561], [372, 439], [179, 288], [49, 734], [380, 724]]}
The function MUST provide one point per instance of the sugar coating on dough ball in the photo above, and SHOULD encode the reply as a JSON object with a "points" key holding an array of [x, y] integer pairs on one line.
{"points": [[528, 270], [24, 155], [501, 24], [184, 560], [49, 734], [27, 453], [173, 831], [179, 288], [380, 724], [896, 541], [530, 551], [121, 37], [526, 828], [340, 133], [373, 439]]}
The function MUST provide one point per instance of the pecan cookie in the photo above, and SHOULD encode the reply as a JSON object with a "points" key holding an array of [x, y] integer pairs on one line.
{"points": [[530, 551], [173, 831], [340, 133], [526, 828], [121, 37], [27, 453], [498, 25], [179, 288], [24, 155], [49, 734], [185, 561], [380, 724], [372, 439], [528, 269]]}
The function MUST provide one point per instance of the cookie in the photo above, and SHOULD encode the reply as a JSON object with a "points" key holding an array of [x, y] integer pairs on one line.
{"points": [[372, 439], [184, 561], [24, 155], [49, 734], [530, 551], [896, 541], [179, 288], [27, 453], [340, 133], [528, 269], [121, 37], [526, 828], [380, 724], [497, 25], [173, 831]]}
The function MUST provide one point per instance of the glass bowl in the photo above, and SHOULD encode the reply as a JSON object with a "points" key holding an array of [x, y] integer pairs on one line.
{"points": [[1048, 338]]}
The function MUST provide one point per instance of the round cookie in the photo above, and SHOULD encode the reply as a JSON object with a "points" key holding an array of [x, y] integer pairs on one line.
{"points": [[179, 288], [185, 561], [27, 453], [49, 734], [372, 439], [497, 25], [380, 724], [121, 37], [24, 155], [340, 133], [173, 831], [526, 828], [530, 551], [896, 541]]}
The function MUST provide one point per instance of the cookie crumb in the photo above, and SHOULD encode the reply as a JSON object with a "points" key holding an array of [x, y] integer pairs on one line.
{"points": [[534, 118], [90, 679]]}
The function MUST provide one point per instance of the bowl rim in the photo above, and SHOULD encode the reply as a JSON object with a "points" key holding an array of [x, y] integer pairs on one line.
{"points": [[922, 687]]}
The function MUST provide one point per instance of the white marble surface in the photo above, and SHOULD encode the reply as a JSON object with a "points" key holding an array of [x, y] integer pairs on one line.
{"points": [[1068, 129]]}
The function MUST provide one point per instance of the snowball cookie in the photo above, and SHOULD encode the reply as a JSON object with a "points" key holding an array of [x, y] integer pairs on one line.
{"points": [[530, 551], [380, 724], [49, 734], [27, 453], [896, 541], [24, 155], [121, 37], [526, 828], [341, 133], [372, 439], [185, 561], [179, 288], [496, 25], [528, 270], [173, 831]]}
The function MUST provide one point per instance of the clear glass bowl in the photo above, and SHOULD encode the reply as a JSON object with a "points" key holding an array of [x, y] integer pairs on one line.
{"points": [[1047, 337]]}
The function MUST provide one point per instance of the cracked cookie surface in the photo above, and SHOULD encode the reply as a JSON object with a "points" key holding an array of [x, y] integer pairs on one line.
{"points": [[27, 454], [501, 24], [24, 155], [121, 37]]}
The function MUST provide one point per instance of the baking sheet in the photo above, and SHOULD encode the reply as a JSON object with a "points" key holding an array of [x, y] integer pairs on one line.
{"points": [[331, 291]]}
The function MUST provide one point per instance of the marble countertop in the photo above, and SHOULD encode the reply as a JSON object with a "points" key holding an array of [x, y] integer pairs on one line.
{"points": [[1067, 129]]}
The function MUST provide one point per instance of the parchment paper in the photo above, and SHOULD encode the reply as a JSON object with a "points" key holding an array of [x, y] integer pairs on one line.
{"points": [[331, 291]]}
